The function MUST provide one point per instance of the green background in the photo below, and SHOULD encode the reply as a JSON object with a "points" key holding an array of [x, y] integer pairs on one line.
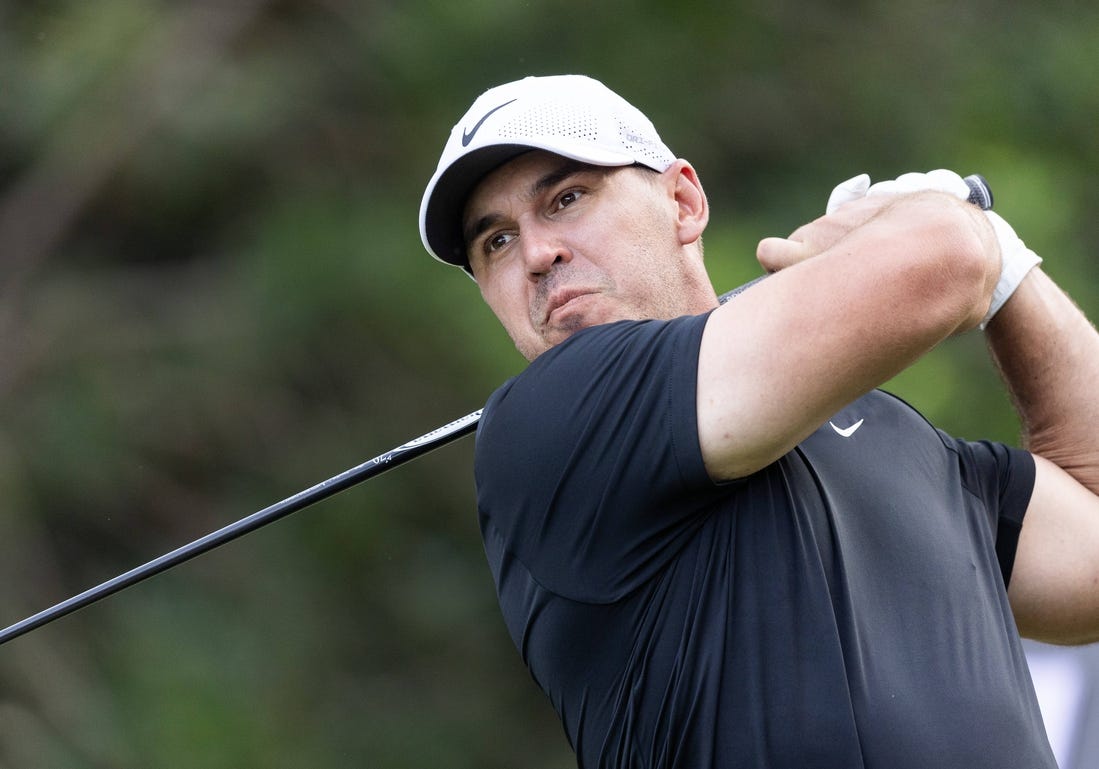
{"points": [[213, 294]]}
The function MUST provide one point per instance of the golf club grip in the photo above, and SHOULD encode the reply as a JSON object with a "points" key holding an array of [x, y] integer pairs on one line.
{"points": [[980, 195]]}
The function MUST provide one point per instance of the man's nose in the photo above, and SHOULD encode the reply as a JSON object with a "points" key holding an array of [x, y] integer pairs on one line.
{"points": [[542, 248]]}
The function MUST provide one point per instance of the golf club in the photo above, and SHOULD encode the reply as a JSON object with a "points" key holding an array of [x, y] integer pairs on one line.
{"points": [[980, 195]]}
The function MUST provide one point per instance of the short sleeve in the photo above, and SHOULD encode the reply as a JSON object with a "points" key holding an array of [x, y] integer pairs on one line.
{"points": [[1003, 478], [588, 463]]}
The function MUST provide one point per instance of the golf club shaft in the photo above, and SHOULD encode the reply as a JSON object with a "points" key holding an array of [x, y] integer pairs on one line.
{"points": [[337, 483]]}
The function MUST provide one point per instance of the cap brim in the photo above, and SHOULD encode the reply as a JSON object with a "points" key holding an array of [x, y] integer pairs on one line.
{"points": [[441, 219], [443, 205]]}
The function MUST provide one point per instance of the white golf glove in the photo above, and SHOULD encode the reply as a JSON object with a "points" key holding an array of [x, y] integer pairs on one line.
{"points": [[845, 192], [1016, 259]]}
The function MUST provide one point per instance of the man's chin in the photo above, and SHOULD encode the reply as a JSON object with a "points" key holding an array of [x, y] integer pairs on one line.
{"points": [[560, 333], [563, 328]]}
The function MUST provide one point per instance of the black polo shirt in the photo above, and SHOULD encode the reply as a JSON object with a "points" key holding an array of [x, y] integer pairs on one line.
{"points": [[844, 607]]}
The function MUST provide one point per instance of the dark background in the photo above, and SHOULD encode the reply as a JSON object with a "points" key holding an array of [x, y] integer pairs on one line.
{"points": [[213, 294]]}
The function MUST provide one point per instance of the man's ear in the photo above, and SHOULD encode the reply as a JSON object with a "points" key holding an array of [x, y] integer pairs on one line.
{"points": [[693, 211]]}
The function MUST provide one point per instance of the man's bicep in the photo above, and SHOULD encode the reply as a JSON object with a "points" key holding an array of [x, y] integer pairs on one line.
{"points": [[776, 362], [739, 385], [1054, 590]]}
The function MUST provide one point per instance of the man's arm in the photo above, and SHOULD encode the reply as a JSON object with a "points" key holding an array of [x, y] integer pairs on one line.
{"points": [[1048, 354], [889, 278]]}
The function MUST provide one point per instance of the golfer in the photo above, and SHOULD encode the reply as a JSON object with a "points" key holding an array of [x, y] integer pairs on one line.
{"points": [[715, 542]]}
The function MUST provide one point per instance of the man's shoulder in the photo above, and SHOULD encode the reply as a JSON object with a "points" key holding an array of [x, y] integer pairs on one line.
{"points": [[610, 349], [621, 336], [624, 381]]}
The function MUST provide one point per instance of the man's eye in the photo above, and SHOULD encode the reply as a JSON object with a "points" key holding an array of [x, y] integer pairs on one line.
{"points": [[567, 198], [498, 241]]}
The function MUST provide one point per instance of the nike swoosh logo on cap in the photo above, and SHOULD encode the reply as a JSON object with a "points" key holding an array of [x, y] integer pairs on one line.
{"points": [[467, 136], [847, 432]]}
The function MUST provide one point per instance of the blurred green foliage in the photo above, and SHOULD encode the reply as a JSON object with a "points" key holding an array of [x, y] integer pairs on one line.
{"points": [[212, 295]]}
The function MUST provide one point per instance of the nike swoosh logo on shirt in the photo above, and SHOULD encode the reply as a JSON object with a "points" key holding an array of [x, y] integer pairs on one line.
{"points": [[467, 136], [847, 432]]}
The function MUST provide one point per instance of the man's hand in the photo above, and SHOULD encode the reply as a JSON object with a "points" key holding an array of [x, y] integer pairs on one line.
{"points": [[855, 203], [1016, 259], [852, 203], [810, 239]]}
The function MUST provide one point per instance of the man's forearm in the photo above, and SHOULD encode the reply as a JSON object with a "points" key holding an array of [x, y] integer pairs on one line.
{"points": [[1048, 354]]}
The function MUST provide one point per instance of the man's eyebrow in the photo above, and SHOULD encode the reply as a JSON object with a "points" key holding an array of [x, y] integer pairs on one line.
{"points": [[476, 229], [547, 181], [553, 178]]}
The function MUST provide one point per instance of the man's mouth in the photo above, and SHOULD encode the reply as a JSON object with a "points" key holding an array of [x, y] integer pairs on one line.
{"points": [[562, 301]]}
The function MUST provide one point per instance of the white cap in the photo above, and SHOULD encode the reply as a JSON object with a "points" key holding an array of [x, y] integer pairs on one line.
{"points": [[570, 115]]}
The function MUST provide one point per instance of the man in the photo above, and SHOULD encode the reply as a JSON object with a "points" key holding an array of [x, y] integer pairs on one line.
{"points": [[715, 543]]}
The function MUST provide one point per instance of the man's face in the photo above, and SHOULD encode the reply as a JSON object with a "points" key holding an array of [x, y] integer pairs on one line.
{"points": [[557, 246]]}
